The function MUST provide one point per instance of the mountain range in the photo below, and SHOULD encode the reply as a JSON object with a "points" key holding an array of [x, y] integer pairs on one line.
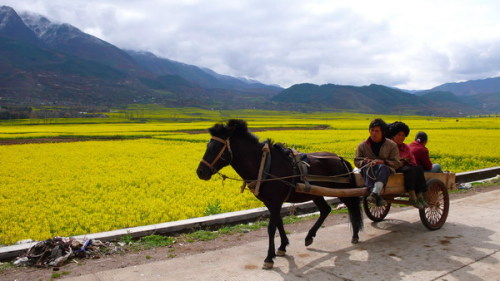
{"points": [[47, 63]]}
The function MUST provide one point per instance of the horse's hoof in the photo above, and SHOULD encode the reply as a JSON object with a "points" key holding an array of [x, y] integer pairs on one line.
{"points": [[355, 240], [309, 242], [280, 253], [268, 265]]}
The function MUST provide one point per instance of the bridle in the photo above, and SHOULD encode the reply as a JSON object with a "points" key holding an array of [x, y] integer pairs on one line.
{"points": [[219, 155]]}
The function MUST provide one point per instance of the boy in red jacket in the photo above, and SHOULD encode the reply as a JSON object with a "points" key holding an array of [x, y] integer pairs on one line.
{"points": [[421, 153]]}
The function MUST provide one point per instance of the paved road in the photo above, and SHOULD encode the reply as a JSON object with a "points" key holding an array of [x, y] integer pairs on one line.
{"points": [[400, 248]]}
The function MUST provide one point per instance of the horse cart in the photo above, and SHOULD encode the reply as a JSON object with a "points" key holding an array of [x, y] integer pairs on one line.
{"points": [[321, 174], [433, 217]]}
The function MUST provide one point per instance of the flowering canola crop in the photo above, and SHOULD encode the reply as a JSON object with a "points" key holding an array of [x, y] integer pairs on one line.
{"points": [[64, 189], [84, 187]]}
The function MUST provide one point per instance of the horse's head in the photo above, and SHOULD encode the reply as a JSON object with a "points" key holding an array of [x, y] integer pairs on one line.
{"points": [[218, 154]]}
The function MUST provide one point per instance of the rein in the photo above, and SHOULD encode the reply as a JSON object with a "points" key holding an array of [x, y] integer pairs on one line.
{"points": [[275, 178], [255, 184]]}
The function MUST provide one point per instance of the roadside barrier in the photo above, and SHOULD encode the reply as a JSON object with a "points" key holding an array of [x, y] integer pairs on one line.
{"points": [[477, 175]]}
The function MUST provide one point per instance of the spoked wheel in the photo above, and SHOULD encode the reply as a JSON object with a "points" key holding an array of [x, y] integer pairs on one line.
{"points": [[374, 212], [434, 216]]}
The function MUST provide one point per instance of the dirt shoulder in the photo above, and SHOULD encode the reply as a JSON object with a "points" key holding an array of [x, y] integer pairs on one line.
{"points": [[181, 248]]}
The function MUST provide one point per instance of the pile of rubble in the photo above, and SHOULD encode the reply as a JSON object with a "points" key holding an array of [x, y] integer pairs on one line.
{"points": [[56, 251]]}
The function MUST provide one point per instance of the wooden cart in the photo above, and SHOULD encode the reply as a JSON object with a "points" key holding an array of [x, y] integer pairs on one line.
{"points": [[432, 217]]}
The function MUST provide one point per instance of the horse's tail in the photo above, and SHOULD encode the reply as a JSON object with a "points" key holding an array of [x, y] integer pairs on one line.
{"points": [[355, 215]]}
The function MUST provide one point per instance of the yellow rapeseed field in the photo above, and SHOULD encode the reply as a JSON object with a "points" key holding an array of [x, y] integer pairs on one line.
{"points": [[84, 187], [64, 189]]}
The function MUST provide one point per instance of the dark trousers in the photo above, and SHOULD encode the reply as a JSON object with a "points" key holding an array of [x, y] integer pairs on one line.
{"points": [[414, 178], [372, 174]]}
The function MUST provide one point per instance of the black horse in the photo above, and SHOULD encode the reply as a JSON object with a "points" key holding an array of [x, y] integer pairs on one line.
{"points": [[232, 144]]}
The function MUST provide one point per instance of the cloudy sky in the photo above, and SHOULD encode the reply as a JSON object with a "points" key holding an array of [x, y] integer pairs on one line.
{"points": [[406, 44]]}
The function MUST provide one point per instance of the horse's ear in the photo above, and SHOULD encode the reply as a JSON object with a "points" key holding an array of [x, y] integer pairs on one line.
{"points": [[218, 130], [237, 126]]}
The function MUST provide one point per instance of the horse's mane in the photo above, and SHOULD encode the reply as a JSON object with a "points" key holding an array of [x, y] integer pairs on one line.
{"points": [[239, 128], [233, 127]]}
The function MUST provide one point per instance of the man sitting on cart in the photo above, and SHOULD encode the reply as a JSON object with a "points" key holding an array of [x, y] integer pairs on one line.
{"points": [[378, 158]]}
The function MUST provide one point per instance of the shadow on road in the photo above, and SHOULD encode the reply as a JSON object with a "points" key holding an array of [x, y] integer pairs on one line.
{"points": [[407, 250]]}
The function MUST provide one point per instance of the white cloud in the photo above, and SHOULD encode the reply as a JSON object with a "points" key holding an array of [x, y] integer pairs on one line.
{"points": [[414, 45]]}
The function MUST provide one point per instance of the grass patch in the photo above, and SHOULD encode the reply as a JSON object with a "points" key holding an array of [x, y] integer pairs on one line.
{"points": [[340, 211], [491, 182], [146, 242], [127, 238], [202, 235], [456, 190], [56, 275], [5, 266], [243, 228], [153, 241]]}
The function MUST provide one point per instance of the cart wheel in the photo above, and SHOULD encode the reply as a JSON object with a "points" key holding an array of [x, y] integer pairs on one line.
{"points": [[434, 216], [374, 212]]}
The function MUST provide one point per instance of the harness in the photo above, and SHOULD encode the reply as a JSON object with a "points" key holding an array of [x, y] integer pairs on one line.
{"points": [[265, 167], [300, 164]]}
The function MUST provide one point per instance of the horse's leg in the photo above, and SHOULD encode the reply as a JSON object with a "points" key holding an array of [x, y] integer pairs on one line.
{"points": [[353, 205], [275, 221], [284, 239], [271, 231], [324, 210]]}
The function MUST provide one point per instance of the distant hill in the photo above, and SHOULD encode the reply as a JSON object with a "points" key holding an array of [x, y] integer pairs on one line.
{"points": [[68, 39], [382, 99], [31, 75], [13, 27], [47, 63], [468, 88], [368, 99], [488, 103], [471, 96]]}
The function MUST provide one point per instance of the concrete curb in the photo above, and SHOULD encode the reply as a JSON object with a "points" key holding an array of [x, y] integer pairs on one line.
{"points": [[477, 175]]}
